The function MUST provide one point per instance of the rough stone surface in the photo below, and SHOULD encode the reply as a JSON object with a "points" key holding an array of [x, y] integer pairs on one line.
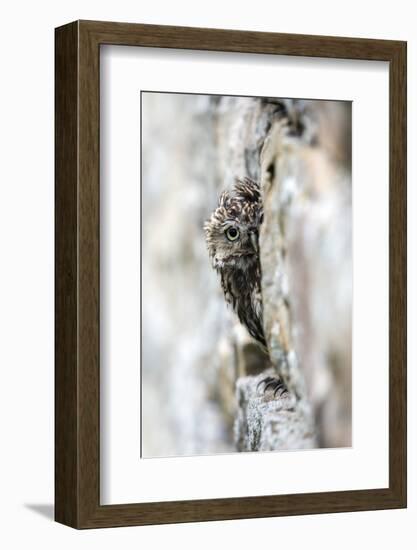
{"points": [[265, 422]]}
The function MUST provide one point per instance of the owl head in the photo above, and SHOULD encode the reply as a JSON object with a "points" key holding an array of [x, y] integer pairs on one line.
{"points": [[233, 229]]}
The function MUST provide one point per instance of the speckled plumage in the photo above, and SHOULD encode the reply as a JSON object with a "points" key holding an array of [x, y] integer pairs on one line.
{"points": [[237, 261]]}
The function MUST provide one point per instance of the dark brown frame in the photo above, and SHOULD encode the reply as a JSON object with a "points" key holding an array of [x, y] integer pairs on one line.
{"points": [[77, 198]]}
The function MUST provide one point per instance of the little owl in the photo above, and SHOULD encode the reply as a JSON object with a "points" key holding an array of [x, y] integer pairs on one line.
{"points": [[232, 235]]}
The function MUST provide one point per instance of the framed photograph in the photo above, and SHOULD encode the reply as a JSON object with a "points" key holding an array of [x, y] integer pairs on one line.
{"points": [[230, 274]]}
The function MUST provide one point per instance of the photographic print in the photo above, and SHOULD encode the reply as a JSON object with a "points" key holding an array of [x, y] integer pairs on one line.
{"points": [[246, 274], [204, 228]]}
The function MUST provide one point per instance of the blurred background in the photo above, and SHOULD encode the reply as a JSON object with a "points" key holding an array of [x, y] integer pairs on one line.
{"points": [[193, 349]]}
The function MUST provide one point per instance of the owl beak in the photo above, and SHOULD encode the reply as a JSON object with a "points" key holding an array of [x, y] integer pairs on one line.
{"points": [[254, 240]]}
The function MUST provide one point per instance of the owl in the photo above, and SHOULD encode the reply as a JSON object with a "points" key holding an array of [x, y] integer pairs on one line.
{"points": [[232, 236]]}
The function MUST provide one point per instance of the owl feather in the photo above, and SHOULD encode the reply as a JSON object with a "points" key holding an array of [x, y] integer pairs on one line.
{"points": [[232, 234]]}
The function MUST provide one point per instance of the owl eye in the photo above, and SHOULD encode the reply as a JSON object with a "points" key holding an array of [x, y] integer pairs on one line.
{"points": [[232, 233]]}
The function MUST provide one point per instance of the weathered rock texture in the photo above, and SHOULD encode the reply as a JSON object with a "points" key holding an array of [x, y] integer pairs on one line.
{"points": [[200, 368], [268, 423]]}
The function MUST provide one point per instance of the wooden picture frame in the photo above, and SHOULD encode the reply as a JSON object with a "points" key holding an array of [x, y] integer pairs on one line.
{"points": [[77, 372]]}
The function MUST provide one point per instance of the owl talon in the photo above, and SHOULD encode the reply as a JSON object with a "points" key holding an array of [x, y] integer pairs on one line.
{"points": [[264, 381], [283, 390], [274, 384]]}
